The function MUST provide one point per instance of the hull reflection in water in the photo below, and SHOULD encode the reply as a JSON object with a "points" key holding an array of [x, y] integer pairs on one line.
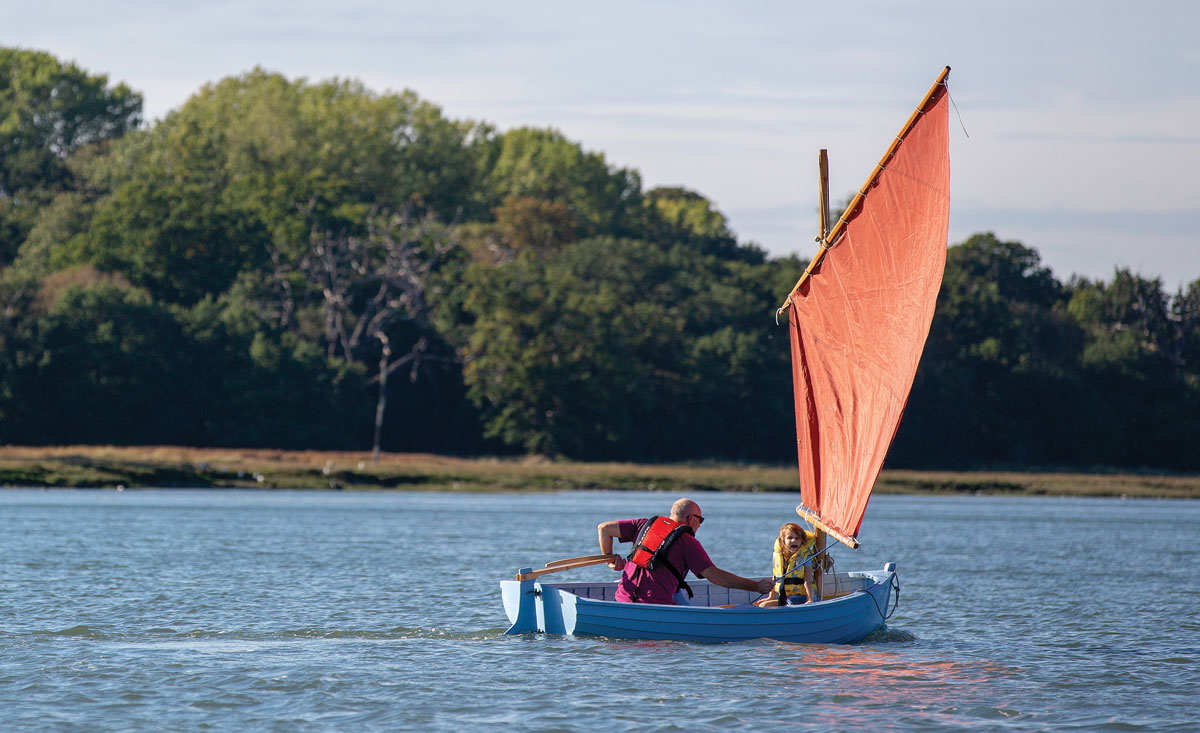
{"points": [[857, 604]]}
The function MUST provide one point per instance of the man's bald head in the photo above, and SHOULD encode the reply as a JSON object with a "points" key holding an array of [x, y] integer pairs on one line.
{"points": [[682, 508]]}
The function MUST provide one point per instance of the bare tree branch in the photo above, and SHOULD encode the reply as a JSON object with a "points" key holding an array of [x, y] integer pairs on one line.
{"points": [[368, 285]]}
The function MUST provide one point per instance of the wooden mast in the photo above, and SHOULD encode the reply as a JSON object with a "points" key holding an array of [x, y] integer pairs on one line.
{"points": [[823, 196], [832, 237], [823, 192], [813, 518]]}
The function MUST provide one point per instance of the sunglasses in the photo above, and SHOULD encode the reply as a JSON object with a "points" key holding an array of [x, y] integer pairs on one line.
{"points": [[697, 516]]}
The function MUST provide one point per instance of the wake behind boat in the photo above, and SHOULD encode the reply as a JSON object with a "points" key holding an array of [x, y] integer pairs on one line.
{"points": [[858, 318]]}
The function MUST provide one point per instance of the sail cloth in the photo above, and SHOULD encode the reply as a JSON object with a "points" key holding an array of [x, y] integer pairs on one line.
{"points": [[858, 324]]}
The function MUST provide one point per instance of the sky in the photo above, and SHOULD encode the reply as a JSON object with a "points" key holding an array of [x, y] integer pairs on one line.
{"points": [[1075, 128]]}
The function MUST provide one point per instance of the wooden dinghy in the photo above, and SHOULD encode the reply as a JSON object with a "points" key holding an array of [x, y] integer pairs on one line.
{"points": [[857, 603], [858, 318]]}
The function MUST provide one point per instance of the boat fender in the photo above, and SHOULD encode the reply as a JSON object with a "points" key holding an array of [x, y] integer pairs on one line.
{"points": [[654, 541]]}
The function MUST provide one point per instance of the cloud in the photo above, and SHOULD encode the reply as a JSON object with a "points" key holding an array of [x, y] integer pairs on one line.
{"points": [[1058, 137], [1083, 125]]}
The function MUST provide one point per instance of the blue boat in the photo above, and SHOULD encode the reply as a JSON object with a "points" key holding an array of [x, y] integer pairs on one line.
{"points": [[855, 605], [858, 318]]}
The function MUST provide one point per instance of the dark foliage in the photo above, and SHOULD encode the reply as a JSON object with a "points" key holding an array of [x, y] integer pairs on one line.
{"points": [[251, 269]]}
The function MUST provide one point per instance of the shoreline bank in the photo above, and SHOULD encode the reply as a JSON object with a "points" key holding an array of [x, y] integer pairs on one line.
{"points": [[178, 467]]}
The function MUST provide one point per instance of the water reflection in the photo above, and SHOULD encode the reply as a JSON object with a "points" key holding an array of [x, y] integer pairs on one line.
{"points": [[847, 687]]}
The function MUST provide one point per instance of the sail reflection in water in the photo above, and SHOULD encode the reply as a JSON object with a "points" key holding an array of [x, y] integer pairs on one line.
{"points": [[861, 682]]}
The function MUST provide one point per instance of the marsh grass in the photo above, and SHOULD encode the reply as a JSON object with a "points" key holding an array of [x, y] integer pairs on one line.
{"points": [[163, 466]]}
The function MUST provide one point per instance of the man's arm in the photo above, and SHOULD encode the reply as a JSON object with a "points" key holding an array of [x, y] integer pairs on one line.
{"points": [[606, 532], [725, 579]]}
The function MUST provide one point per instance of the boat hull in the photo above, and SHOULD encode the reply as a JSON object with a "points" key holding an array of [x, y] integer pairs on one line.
{"points": [[862, 603]]}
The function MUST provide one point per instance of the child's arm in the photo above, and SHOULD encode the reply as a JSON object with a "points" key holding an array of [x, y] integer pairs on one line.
{"points": [[808, 583]]}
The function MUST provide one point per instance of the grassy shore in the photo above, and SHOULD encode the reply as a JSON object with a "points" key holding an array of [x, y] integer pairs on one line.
{"points": [[139, 467]]}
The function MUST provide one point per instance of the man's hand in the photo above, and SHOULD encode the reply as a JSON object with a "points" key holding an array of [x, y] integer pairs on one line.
{"points": [[617, 563], [765, 585]]}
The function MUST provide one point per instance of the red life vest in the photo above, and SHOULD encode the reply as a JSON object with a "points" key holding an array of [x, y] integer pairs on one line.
{"points": [[653, 542]]}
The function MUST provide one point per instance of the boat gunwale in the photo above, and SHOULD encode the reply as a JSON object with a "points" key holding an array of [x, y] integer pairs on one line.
{"points": [[880, 577]]}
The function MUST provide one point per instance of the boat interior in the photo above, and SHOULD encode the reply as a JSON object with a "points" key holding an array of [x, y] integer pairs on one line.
{"points": [[833, 585]]}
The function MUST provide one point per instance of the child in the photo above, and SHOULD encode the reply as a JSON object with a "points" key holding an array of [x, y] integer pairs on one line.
{"points": [[792, 546]]}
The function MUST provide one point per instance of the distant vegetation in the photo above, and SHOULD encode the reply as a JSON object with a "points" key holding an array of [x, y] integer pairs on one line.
{"points": [[117, 467], [313, 265]]}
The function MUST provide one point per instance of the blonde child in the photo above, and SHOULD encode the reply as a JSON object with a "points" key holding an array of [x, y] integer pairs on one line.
{"points": [[792, 546]]}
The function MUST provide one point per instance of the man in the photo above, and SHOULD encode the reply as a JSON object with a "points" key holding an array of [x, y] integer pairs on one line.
{"points": [[665, 550]]}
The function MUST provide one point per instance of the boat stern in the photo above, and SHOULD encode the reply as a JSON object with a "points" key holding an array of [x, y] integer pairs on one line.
{"points": [[519, 597], [531, 606]]}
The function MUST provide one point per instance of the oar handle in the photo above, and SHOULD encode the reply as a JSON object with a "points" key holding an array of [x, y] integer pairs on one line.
{"points": [[563, 565], [571, 560]]}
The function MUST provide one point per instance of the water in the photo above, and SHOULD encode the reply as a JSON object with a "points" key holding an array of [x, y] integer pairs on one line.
{"points": [[243, 610]]}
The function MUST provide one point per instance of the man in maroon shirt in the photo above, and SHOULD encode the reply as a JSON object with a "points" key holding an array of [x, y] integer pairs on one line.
{"points": [[659, 585]]}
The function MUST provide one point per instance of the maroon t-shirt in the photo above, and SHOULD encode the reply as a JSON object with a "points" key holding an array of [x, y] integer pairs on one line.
{"points": [[659, 585]]}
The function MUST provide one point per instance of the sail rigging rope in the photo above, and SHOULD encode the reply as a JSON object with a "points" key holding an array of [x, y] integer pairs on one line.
{"points": [[895, 583], [955, 106]]}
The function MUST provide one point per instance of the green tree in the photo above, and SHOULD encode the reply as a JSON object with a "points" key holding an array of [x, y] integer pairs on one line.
{"points": [[253, 383], [541, 226], [600, 199], [680, 216], [620, 348], [49, 110], [253, 164], [549, 356], [1186, 311], [87, 358], [96, 366], [1126, 320], [1142, 412], [999, 378]]}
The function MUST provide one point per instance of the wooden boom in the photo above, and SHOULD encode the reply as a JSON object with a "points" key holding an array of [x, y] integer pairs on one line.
{"points": [[819, 523]]}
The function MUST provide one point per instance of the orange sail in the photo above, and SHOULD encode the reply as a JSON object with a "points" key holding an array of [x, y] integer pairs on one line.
{"points": [[860, 317]]}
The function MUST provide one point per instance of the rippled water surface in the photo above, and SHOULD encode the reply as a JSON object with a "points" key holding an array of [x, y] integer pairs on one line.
{"points": [[242, 610]]}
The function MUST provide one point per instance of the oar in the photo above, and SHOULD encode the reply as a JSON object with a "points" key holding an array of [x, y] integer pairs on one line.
{"points": [[571, 560], [565, 565]]}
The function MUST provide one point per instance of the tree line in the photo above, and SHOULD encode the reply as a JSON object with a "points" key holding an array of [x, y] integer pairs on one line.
{"points": [[295, 264]]}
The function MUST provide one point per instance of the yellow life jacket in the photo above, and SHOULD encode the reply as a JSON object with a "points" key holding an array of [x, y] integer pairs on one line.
{"points": [[794, 585]]}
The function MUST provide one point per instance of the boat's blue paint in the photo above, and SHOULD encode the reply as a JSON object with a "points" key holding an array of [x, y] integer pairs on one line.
{"points": [[551, 617], [519, 604], [589, 609]]}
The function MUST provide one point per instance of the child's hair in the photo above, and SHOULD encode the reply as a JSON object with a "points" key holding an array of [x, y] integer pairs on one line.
{"points": [[792, 528]]}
